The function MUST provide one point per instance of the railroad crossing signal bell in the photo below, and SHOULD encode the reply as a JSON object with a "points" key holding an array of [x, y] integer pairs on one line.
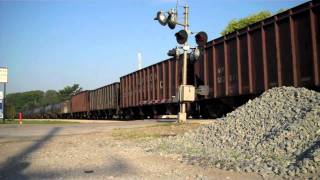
{"points": [[195, 54], [173, 52]]}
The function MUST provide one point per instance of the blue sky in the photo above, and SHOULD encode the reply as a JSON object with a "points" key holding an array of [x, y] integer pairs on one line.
{"points": [[48, 44]]}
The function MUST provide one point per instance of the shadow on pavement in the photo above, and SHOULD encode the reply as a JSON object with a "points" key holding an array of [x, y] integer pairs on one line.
{"points": [[13, 168], [115, 168]]}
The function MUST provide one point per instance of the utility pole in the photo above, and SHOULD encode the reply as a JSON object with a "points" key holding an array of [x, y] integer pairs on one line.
{"points": [[182, 117]]}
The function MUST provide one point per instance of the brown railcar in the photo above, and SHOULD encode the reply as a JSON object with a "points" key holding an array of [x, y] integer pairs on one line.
{"points": [[104, 101], [282, 50], [151, 90], [80, 105]]}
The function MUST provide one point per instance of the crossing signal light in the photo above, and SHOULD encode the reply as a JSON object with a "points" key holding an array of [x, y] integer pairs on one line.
{"points": [[169, 18], [172, 19], [182, 36], [161, 17], [201, 38]]}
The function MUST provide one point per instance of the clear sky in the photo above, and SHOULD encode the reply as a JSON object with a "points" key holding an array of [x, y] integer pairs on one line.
{"points": [[48, 44]]}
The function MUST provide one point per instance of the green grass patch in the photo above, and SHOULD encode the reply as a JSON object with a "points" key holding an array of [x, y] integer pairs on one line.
{"points": [[38, 122]]}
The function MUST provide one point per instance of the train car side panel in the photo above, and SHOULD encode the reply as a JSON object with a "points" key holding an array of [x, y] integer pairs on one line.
{"points": [[80, 102], [282, 50]]}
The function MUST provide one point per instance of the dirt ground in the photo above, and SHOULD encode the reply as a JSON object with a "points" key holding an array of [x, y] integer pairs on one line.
{"points": [[108, 153]]}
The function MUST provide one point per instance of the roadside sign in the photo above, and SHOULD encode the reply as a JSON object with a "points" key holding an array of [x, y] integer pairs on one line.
{"points": [[3, 75]]}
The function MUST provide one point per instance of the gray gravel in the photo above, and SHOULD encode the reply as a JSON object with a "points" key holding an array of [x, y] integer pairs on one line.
{"points": [[277, 133]]}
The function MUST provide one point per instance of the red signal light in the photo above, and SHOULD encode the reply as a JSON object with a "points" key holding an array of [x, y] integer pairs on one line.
{"points": [[201, 38]]}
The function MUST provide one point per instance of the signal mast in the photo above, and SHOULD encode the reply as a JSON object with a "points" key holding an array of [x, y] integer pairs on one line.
{"points": [[170, 18]]}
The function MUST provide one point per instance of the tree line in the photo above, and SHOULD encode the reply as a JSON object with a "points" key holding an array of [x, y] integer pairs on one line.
{"points": [[23, 101]]}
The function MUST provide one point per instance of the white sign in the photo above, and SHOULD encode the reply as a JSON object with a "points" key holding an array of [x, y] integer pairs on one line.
{"points": [[1, 95], [3, 75]]}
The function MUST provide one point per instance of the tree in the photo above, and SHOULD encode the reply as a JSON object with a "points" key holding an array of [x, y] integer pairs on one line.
{"points": [[236, 24], [68, 91], [50, 97], [25, 100], [10, 111]]}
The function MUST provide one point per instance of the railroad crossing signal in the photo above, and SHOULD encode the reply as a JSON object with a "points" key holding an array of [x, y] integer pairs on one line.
{"points": [[182, 36], [201, 38], [170, 19], [182, 39], [161, 17]]}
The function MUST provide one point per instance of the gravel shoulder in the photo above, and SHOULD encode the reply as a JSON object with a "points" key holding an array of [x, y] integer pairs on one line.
{"points": [[276, 134]]}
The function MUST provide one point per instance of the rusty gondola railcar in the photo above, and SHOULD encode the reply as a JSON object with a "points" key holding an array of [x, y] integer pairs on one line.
{"points": [[282, 50], [104, 101], [152, 90], [80, 105]]}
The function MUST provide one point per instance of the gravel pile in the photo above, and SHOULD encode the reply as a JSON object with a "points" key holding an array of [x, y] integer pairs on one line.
{"points": [[277, 133]]}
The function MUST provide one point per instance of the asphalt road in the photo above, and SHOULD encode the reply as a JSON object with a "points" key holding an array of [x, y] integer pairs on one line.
{"points": [[28, 130]]}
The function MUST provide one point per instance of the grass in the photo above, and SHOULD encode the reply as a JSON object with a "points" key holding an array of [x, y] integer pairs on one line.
{"points": [[153, 132], [37, 122]]}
